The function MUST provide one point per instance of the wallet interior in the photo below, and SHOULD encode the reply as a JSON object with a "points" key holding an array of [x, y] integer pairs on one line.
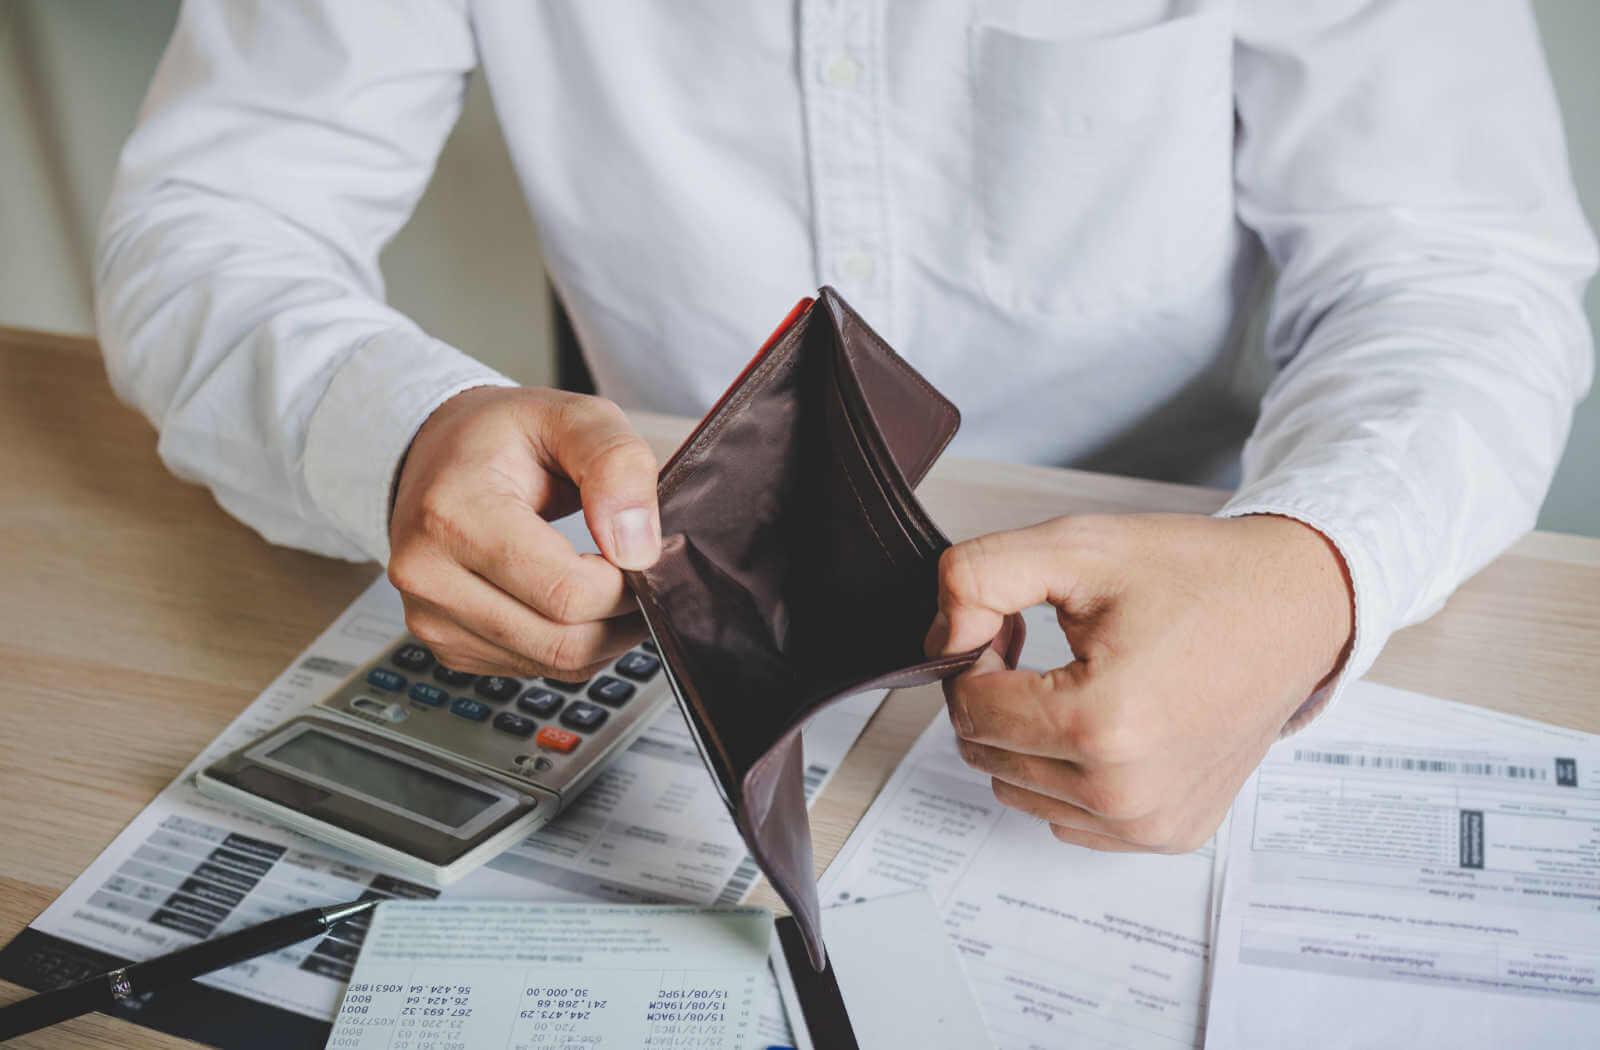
{"points": [[796, 561]]}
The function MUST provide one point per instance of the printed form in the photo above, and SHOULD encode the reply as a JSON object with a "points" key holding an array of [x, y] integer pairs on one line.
{"points": [[517, 976], [1063, 946], [1390, 886], [651, 828]]}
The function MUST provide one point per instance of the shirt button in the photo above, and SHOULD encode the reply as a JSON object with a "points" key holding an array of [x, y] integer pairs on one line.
{"points": [[841, 71], [857, 266]]}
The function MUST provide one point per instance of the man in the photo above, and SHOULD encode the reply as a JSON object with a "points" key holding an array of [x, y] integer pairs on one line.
{"points": [[1057, 210]]}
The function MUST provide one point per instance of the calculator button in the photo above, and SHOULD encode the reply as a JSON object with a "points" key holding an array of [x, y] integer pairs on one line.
{"points": [[413, 657], [449, 677], [568, 687], [384, 678], [497, 688], [641, 667], [541, 702], [650, 645], [469, 708], [612, 691], [379, 709], [584, 716], [516, 725], [428, 695], [552, 739]]}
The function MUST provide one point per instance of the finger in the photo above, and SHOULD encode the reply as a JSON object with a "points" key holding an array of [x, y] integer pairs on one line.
{"points": [[1009, 641], [522, 554], [458, 648], [1054, 811], [495, 616], [592, 443], [1091, 840], [1172, 831], [984, 579], [1024, 711], [1048, 776], [1121, 799]]}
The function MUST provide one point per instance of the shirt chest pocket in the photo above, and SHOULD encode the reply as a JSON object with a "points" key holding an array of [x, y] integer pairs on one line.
{"points": [[1103, 166]]}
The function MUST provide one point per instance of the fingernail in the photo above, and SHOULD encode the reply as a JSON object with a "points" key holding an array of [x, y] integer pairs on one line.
{"points": [[635, 538]]}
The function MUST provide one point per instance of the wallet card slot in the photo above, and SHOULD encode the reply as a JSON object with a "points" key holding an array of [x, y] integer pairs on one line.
{"points": [[896, 496], [916, 422], [872, 497]]}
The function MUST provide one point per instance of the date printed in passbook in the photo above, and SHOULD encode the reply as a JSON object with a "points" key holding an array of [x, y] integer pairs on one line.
{"points": [[523, 976]]}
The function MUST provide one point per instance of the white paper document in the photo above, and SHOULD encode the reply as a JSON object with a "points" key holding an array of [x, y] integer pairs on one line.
{"points": [[651, 828], [1392, 887], [1065, 947], [899, 977], [520, 976]]}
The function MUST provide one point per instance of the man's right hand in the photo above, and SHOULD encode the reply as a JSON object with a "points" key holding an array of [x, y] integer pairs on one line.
{"points": [[488, 584]]}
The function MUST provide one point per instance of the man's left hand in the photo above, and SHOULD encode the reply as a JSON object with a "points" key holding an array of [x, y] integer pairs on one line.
{"points": [[1195, 638]]}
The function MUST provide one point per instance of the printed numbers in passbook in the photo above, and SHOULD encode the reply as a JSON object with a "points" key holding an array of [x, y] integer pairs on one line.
{"points": [[559, 1003], [684, 1017]]}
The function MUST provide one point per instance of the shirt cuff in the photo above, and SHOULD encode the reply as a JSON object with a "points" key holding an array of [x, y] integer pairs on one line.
{"points": [[363, 426], [1373, 613]]}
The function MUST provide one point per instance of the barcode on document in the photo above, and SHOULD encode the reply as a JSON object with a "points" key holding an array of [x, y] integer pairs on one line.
{"points": [[744, 876], [1423, 765], [814, 776]]}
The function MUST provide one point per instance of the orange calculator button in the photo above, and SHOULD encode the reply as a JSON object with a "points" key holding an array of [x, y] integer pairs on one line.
{"points": [[554, 739]]}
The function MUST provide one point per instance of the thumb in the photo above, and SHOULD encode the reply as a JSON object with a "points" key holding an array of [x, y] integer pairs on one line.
{"points": [[594, 445], [984, 580]]}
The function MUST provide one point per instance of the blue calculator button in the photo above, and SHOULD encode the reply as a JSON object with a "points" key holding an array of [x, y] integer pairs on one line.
{"points": [[384, 678], [428, 695], [413, 657], [641, 667], [450, 677], [498, 689], [468, 708], [612, 691], [584, 716], [541, 702], [649, 645], [516, 725]]}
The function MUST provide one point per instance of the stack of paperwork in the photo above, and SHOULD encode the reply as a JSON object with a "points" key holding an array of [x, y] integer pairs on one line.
{"points": [[1408, 871]]}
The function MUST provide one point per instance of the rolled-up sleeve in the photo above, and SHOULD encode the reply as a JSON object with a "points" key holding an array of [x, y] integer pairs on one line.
{"points": [[1403, 163], [238, 296]]}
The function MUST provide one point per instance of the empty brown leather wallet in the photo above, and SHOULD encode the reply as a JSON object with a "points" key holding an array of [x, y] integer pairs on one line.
{"points": [[797, 566]]}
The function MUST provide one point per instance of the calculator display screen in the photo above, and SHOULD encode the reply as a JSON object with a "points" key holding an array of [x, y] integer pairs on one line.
{"points": [[412, 788]]}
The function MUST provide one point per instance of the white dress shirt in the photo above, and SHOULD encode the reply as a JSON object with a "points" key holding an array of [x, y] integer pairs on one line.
{"points": [[1062, 212]]}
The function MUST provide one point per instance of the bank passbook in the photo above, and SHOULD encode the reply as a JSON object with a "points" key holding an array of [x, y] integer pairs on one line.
{"points": [[549, 976]]}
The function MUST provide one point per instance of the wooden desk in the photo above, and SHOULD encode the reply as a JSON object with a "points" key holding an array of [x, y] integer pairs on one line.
{"points": [[138, 619]]}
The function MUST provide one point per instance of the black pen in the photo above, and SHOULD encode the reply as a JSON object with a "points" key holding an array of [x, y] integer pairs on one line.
{"points": [[108, 989]]}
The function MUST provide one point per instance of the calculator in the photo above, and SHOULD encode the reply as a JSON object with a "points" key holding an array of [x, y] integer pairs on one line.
{"points": [[433, 771]]}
